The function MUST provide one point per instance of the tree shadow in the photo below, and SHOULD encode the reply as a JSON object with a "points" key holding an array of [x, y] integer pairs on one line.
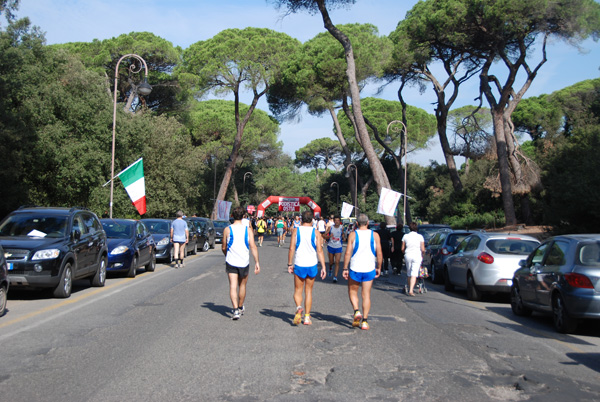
{"points": [[225, 311]]}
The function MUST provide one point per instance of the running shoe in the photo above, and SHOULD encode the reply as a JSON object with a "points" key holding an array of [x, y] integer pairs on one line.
{"points": [[357, 319], [176, 265], [236, 314], [364, 325], [307, 320], [334, 279], [242, 310], [330, 273], [298, 316]]}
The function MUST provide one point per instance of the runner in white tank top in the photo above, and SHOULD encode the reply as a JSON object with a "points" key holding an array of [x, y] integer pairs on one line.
{"points": [[363, 255], [335, 234], [237, 244], [306, 250]]}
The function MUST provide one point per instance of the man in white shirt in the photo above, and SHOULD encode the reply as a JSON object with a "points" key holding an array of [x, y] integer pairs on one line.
{"points": [[413, 247], [238, 242]]}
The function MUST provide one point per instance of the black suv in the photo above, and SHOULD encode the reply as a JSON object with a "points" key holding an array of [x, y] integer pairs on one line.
{"points": [[52, 247]]}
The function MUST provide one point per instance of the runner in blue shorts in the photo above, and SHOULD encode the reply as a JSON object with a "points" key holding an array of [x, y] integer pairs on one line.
{"points": [[335, 235], [307, 248], [363, 255]]}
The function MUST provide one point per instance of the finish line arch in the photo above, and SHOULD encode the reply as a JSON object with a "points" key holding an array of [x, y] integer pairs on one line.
{"points": [[288, 204]]}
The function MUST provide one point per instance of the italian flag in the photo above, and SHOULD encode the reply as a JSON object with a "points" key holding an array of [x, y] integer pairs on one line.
{"points": [[133, 180]]}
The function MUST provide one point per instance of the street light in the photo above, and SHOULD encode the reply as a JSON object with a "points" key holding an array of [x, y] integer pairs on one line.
{"points": [[244, 183], [355, 185], [143, 89], [337, 200], [388, 141]]}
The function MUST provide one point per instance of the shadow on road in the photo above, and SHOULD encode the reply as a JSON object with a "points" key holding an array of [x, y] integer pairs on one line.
{"points": [[334, 319], [590, 360], [283, 316], [218, 308]]}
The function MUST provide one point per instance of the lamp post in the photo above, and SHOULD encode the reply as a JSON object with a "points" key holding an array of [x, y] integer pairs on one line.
{"points": [[244, 182], [388, 141], [143, 89], [355, 185], [337, 200]]}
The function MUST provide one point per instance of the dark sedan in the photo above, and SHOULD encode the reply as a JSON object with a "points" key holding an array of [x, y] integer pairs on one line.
{"points": [[562, 277], [440, 247], [161, 232], [4, 282], [130, 245], [206, 232], [219, 228]]}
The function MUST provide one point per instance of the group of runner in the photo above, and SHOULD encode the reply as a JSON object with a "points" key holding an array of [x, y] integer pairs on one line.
{"points": [[362, 260]]}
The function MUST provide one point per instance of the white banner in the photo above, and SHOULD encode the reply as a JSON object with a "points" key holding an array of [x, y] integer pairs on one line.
{"points": [[223, 210], [289, 204], [346, 210], [388, 200]]}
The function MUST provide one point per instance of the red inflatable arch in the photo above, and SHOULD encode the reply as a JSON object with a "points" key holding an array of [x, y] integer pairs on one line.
{"points": [[288, 204]]}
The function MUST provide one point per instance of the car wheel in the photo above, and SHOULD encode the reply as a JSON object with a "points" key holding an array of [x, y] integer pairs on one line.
{"points": [[151, 266], [63, 290], [516, 302], [99, 279], [133, 268], [563, 323], [205, 246], [448, 287], [435, 276], [472, 292], [3, 297], [195, 250], [212, 244]]}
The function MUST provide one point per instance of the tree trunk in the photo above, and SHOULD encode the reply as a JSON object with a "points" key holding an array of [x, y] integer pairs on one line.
{"points": [[379, 174], [441, 114], [504, 168]]}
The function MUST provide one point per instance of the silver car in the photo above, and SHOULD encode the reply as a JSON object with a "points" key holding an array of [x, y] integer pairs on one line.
{"points": [[562, 277], [486, 262]]}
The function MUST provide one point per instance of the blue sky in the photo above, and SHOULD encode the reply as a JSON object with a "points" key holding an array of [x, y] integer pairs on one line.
{"points": [[184, 22]]}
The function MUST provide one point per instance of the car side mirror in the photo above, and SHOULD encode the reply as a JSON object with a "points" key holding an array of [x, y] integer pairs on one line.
{"points": [[523, 263], [76, 235], [140, 236]]}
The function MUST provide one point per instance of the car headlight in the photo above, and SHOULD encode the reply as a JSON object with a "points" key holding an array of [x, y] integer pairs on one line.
{"points": [[46, 254], [119, 250], [218, 234], [163, 242]]}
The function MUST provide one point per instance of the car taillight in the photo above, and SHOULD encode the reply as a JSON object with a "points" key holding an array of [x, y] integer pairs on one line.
{"points": [[485, 258], [445, 251], [579, 281]]}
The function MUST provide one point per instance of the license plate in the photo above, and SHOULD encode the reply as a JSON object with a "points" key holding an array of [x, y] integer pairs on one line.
{"points": [[10, 266]]}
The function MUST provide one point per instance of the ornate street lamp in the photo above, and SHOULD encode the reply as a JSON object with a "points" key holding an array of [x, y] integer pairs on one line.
{"points": [[337, 200], [143, 89], [395, 125], [244, 183]]}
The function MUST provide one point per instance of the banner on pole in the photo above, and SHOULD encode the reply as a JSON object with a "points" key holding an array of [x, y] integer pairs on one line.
{"points": [[223, 210], [289, 204], [346, 210], [135, 185], [388, 200]]}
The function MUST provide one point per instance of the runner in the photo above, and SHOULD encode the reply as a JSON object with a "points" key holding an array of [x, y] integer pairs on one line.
{"points": [[321, 227], [270, 225], [261, 228], [238, 242], [306, 246], [180, 236], [280, 227], [363, 255], [334, 247]]}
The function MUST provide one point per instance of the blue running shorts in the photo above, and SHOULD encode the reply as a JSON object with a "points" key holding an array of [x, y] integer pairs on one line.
{"points": [[303, 272], [362, 276], [333, 250]]}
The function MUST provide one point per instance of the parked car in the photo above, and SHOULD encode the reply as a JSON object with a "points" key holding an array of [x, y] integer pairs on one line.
{"points": [[429, 230], [4, 282], [161, 232], [219, 228], [206, 232], [440, 247], [130, 246], [486, 262], [562, 277], [52, 247]]}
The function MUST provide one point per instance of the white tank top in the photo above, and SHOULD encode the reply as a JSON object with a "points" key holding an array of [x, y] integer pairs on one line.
{"points": [[335, 239], [238, 254], [306, 247], [364, 255]]}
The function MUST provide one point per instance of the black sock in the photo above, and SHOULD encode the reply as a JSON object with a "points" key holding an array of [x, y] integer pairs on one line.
{"points": [[355, 311], [364, 320]]}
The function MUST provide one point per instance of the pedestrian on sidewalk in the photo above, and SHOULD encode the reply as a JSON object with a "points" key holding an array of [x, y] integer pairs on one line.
{"points": [[180, 236], [306, 246], [413, 247], [335, 234], [384, 239], [364, 258], [397, 236], [237, 244]]}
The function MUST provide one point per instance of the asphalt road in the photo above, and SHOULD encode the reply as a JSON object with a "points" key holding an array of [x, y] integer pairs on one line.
{"points": [[167, 336]]}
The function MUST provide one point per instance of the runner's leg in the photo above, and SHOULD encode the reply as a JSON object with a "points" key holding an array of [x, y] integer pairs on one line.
{"points": [[338, 257], [308, 292], [242, 284], [353, 293], [366, 298], [298, 288], [233, 291]]}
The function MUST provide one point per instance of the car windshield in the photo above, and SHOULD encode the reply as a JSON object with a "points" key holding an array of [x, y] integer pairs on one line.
{"points": [[34, 226], [116, 230], [589, 254], [455, 238], [220, 224], [427, 233], [511, 246], [157, 227]]}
